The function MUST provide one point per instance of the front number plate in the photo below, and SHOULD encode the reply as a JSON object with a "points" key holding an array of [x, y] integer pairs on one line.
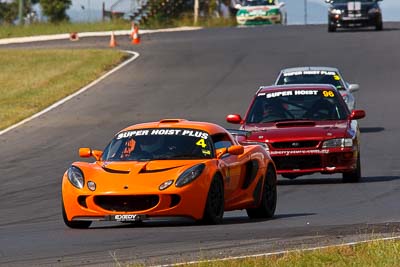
{"points": [[127, 218]]}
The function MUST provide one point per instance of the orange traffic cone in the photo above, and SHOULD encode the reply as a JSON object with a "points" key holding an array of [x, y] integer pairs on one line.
{"points": [[136, 36], [73, 36], [113, 42]]}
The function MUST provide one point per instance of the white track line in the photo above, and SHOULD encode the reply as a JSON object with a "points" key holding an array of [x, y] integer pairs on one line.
{"points": [[279, 252], [62, 101], [40, 38]]}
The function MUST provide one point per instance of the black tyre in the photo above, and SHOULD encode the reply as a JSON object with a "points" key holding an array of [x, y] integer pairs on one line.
{"points": [[267, 206], [354, 176], [331, 28], [214, 209], [74, 224], [379, 26]]}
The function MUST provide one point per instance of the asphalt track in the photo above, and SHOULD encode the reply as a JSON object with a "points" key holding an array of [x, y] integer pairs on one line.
{"points": [[204, 75]]}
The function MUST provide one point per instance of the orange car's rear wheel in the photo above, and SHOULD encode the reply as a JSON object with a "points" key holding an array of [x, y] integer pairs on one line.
{"points": [[74, 224], [267, 206], [214, 209]]}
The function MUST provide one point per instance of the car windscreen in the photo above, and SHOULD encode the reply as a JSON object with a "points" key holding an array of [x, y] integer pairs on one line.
{"points": [[312, 77], [287, 105], [159, 144], [258, 3], [347, 1]]}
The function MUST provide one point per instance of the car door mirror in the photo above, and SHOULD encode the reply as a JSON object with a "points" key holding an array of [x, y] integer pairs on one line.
{"points": [[236, 150], [357, 114], [233, 150], [353, 87], [85, 152], [234, 118]]}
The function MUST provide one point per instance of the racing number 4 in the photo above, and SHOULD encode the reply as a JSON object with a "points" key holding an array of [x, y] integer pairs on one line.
{"points": [[201, 143]]}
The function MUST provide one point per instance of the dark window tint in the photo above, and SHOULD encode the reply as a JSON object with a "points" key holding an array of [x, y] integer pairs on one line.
{"points": [[323, 105]]}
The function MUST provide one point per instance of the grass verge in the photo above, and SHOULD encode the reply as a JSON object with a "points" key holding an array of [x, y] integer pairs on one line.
{"points": [[375, 253], [32, 80], [9, 31]]}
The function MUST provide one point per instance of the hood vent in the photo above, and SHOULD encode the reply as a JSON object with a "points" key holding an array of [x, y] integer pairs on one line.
{"points": [[144, 170], [295, 124], [115, 171]]}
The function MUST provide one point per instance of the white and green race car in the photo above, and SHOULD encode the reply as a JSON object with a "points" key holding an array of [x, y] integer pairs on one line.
{"points": [[258, 12]]}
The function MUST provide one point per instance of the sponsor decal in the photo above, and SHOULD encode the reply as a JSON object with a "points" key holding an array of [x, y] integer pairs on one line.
{"points": [[127, 217], [206, 152], [289, 93], [310, 72], [164, 131], [328, 94], [298, 152]]}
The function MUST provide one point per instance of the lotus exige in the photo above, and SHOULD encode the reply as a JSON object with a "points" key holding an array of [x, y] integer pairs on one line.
{"points": [[173, 167]]}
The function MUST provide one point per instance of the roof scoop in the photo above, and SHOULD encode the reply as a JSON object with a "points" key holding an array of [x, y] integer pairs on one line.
{"points": [[171, 120]]}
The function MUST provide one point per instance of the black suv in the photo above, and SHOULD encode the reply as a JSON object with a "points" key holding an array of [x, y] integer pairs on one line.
{"points": [[354, 13]]}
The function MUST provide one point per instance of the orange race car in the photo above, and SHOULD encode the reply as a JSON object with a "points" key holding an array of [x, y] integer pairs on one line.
{"points": [[173, 167]]}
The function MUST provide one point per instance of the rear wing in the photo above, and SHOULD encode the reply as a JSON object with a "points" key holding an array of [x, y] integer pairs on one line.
{"points": [[241, 137]]}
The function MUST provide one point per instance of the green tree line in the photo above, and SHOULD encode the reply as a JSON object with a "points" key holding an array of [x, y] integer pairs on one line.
{"points": [[54, 10]]}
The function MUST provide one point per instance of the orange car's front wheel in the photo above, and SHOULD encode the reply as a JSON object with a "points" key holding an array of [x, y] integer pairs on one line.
{"points": [[74, 224], [214, 209]]}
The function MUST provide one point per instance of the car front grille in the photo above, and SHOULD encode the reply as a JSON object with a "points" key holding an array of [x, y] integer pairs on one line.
{"points": [[127, 203], [297, 162], [295, 144]]}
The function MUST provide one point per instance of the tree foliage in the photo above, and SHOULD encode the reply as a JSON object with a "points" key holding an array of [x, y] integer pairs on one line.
{"points": [[55, 10], [8, 12]]}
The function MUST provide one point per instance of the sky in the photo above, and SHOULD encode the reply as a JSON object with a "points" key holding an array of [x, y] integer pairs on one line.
{"points": [[90, 10]]}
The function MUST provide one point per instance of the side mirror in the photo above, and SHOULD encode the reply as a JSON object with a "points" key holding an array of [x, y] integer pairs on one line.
{"points": [[85, 152], [353, 87], [357, 114], [238, 6], [233, 150], [236, 150], [234, 118]]}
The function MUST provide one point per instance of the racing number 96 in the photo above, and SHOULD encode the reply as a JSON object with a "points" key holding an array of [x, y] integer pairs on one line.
{"points": [[328, 93]]}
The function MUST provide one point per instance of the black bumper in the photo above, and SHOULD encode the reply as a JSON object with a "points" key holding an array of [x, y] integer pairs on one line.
{"points": [[351, 22]]}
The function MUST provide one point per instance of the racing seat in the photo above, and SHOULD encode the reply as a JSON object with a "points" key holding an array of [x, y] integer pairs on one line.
{"points": [[322, 109]]}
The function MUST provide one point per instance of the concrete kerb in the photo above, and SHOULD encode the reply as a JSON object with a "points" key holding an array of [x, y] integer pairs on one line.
{"points": [[42, 38]]}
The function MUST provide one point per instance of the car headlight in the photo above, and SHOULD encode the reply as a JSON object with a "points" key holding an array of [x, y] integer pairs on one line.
{"points": [[339, 142], [75, 176], [189, 175], [374, 10], [336, 11]]}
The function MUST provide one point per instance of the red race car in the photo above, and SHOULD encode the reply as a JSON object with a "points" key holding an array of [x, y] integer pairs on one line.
{"points": [[308, 129]]}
